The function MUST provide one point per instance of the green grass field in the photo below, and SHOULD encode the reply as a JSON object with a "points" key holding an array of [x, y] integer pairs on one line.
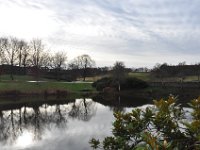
{"points": [[147, 77], [141, 75], [21, 84], [39, 87]]}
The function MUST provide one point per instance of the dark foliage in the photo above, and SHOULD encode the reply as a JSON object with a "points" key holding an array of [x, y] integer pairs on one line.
{"points": [[128, 83], [132, 83], [102, 83], [165, 70]]}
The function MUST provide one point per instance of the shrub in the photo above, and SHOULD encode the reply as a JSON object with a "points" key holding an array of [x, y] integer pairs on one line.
{"points": [[163, 126], [127, 83], [102, 83], [133, 83]]}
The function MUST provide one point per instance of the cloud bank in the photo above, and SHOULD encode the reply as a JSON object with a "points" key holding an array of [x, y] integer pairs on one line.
{"points": [[139, 32]]}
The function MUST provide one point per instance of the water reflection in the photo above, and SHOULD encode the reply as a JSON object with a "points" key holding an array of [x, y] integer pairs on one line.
{"points": [[24, 140], [61, 124], [82, 109], [27, 126]]}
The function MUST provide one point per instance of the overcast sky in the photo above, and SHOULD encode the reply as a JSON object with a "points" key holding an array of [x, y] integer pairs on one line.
{"points": [[138, 32]]}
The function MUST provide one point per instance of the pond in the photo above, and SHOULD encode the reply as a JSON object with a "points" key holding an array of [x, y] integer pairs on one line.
{"points": [[65, 126]]}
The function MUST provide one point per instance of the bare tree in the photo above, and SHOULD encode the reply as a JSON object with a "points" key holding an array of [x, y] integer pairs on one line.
{"points": [[11, 54], [36, 57], [23, 53], [83, 62], [119, 73], [59, 59], [46, 60], [37, 49], [73, 65], [3, 47], [182, 63], [58, 62]]}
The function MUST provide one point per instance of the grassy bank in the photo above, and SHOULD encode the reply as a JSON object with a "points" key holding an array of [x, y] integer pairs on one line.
{"points": [[21, 86], [146, 76], [7, 103], [32, 88]]}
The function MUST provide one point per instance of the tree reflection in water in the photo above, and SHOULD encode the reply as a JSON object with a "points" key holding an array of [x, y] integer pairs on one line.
{"points": [[83, 109], [117, 107], [37, 119]]}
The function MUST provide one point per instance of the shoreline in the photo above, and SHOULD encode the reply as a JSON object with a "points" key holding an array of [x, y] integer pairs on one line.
{"points": [[127, 98], [60, 92], [45, 93]]}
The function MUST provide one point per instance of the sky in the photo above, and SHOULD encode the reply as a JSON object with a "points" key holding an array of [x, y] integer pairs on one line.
{"points": [[140, 33]]}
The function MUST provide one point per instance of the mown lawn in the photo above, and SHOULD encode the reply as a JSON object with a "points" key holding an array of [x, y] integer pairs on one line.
{"points": [[40, 87], [141, 75], [21, 84], [146, 76]]}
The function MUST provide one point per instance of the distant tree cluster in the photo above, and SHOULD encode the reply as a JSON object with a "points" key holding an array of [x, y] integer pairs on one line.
{"points": [[82, 63], [119, 80], [22, 53], [181, 70], [16, 52]]}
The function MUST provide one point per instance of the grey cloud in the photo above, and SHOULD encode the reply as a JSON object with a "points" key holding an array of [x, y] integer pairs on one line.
{"points": [[156, 14], [131, 27]]}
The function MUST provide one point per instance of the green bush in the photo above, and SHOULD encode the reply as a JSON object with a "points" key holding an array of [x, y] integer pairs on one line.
{"points": [[102, 83], [127, 83], [133, 83], [161, 127]]}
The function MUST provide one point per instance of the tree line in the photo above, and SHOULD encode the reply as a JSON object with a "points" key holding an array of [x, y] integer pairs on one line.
{"points": [[18, 52], [181, 70]]}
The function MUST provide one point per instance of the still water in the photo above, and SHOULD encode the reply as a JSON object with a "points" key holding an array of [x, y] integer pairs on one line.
{"points": [[66, 126]]}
